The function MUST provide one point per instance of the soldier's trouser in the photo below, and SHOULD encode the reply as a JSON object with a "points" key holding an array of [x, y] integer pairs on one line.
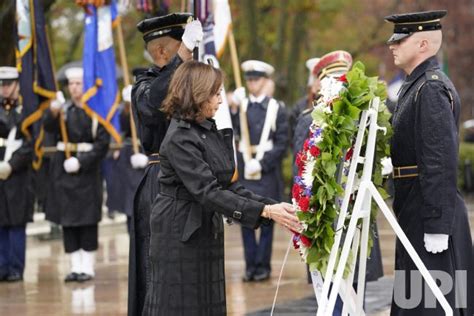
{"points": [[80, 237], [12, 249], [258, 255]]}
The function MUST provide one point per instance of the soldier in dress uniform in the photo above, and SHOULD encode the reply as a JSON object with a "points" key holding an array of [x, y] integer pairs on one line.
{"points": [[169, 40], [16, 192], [333, 64], [74, 199], [125, 169], [261, 128], [424, 150]]}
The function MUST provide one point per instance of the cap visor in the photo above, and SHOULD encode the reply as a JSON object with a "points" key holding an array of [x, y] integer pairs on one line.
{"points": [[397, 37]]}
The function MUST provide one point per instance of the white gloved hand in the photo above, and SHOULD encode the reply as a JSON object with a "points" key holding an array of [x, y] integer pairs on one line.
{"points": [[192, 34], [5, 170], [435, 243], [127, 93], [252, 167], [238, 96], [71, 165], [57, 103], [138, 161], [387, 167]]}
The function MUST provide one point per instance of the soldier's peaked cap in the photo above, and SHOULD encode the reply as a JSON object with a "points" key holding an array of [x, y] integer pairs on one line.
{"points": [[408, 23], [334, 63], [256, 69], [168, 25]]}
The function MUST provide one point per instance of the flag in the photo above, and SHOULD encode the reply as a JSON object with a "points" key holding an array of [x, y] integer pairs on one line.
{"points": [[34, 64], [206, 13], [101, 96], [222, 25], [37, 83]]}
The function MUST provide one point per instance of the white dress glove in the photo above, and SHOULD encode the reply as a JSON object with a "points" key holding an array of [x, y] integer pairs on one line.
{"points": [[436, 242], [192, 34], [138, 161], [387, 167], [57, 103], [5, 170], [252, 167], [238, 96], [127, 93], [71, 165]]}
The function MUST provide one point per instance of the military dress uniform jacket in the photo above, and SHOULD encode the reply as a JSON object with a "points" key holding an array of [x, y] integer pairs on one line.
{"points": [[271, 182], [425, 124], [75, 199], [187, 241], [148, 93], [16, 192]]}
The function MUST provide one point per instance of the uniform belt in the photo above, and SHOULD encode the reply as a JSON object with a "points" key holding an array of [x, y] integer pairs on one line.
{"points": [[3, 142], [177, 192], [153, 159], [75, 147], [405, 172]]}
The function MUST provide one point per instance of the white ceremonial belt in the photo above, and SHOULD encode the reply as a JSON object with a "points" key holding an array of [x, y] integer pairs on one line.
{"points": [[13, 144], [266, 146], [75, 147]]}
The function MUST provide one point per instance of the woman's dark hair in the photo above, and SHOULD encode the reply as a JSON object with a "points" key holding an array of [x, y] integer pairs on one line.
{"points": [[192, 85]]}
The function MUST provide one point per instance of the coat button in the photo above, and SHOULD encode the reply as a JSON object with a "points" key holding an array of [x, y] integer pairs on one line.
{"points": [[203, 136], [237, 215]]}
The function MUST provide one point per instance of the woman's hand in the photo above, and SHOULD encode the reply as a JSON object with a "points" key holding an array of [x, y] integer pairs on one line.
{"points": [[283, 214]]}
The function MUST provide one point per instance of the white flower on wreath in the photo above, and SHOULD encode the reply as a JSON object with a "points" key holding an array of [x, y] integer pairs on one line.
{"points": [[330, 89], [307, 175]]}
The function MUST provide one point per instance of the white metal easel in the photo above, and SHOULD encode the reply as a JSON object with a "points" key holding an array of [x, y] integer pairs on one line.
{"points": [[353, 301]]}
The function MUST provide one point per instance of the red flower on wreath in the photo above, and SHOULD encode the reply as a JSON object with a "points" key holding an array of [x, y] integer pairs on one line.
{"points": [[303, 203], [300, 159], [296, 191], [306, 144], [305, 240], [315, 151], [343, 78]]}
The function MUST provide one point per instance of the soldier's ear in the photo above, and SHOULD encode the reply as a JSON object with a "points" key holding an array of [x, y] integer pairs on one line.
{"points": [[424, 45]]}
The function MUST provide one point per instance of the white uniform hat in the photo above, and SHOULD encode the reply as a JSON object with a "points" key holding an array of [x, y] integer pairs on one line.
{"points": [[310, 63], [8, 73], [74, 73], [256, 69]]}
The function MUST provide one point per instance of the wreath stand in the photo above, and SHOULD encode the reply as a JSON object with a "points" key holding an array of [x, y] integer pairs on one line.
{"points": [[357, 239]]}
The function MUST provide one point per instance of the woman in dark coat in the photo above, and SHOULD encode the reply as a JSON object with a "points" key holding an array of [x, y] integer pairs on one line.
{"points": [[197, 165]]}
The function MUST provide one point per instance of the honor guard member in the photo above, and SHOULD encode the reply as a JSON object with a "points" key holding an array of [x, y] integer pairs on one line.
{"points": [[125, 169], [169, 40], [74, 199], [261, 128], [16, 192], [333, 64], [424, 151], [306, 101]]}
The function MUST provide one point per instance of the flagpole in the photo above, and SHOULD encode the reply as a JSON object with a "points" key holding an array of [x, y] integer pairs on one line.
{"points": [[235, 59], [126, 80], [64, 136]]}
